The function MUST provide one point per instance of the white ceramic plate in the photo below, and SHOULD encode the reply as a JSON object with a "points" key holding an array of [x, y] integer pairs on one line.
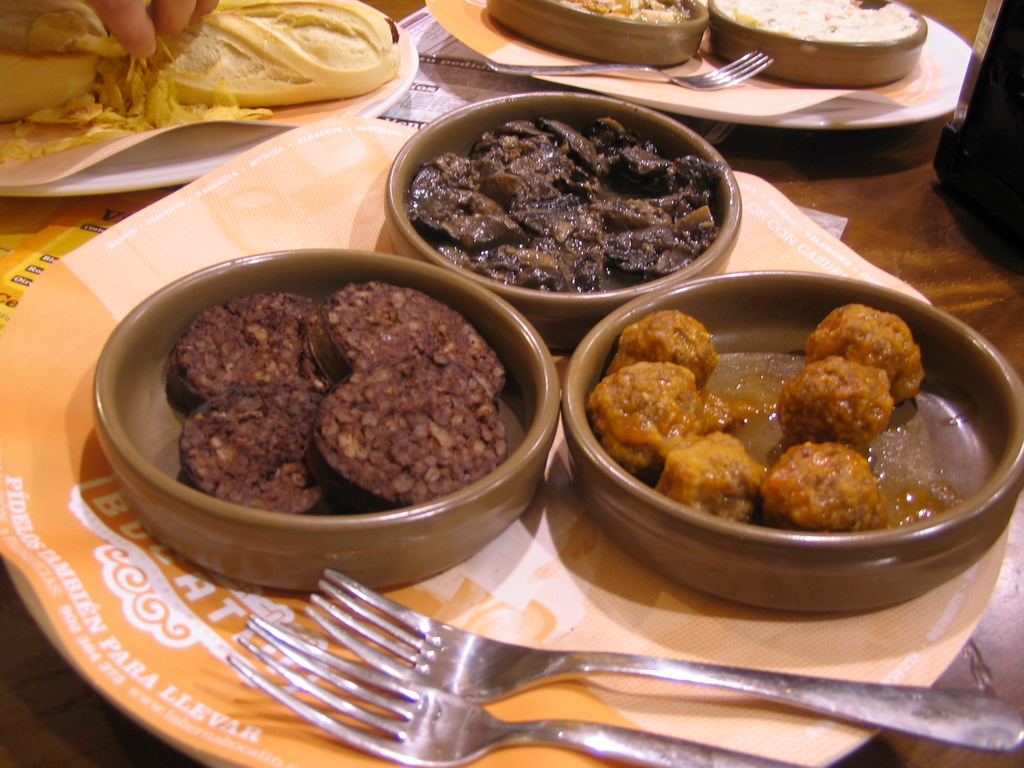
{"points": [[551, 580], [856, 113], [848, 113], [180, 156]]}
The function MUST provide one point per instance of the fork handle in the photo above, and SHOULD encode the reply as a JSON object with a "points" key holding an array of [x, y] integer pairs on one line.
{"points": [[963, 717], [635, 71], [634, 747]]}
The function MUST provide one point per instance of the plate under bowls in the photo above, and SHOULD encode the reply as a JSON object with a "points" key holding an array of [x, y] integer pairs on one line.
{"points": [[604, 37], [818, 62]]}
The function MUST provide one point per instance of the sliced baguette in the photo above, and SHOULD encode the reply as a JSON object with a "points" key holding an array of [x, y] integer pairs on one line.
{"points": [[46, 53], [285, 52]]}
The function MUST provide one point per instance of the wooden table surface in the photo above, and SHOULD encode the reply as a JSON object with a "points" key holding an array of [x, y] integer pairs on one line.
{"points": [[900, 218]]}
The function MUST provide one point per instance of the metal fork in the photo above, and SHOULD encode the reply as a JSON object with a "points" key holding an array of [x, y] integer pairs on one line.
{"points": [[733, 73], [414, 724], [408, 644]]}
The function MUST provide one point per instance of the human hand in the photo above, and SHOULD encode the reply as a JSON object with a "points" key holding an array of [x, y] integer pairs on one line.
{"points": [[137, 24]]}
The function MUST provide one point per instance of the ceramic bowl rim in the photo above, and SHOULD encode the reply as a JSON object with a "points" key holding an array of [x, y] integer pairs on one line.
{"points": [[701, 17], [535, 435], [1010, 467]]}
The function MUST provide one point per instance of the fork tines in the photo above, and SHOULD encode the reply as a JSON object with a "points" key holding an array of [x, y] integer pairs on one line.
{"points": [[736, 71], [374, 706], [347, 614]]}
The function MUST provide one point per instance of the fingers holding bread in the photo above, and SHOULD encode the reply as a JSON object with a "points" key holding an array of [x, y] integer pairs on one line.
{"points": [[172, 16], [138, 24], [130, 22], [243, 52]]}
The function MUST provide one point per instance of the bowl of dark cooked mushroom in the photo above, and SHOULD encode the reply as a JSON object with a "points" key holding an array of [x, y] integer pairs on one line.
{"points": [[567, 205], [282, 413], [650, 32], [795, 441], [835, 43]]}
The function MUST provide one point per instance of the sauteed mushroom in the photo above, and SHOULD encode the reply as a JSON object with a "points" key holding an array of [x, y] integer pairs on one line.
{"points": [[543, 205]]}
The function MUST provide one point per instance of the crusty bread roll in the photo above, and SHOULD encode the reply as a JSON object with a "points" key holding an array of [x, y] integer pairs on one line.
{"points": [[254, 54], [46, 53], [284, 52]]}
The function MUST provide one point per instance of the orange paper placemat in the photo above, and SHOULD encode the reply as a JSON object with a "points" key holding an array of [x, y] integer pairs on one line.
{"points": [[149, 630]]}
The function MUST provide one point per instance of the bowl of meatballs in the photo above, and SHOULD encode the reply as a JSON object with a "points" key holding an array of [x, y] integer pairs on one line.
{"points": [[567, 205], [283, 413], [795, 441]]}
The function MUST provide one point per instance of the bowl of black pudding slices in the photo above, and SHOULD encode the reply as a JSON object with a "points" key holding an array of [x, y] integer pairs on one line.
{"points": [[283, 413]]}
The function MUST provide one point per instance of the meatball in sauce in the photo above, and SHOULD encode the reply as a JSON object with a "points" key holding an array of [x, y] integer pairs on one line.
{"points": [[823, 487], [641, 410], [668, 336], [714, 474], [837, 400]]}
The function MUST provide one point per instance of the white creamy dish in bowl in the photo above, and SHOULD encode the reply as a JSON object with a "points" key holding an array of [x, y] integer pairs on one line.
{"points": [[844, 43], [838, 21]]}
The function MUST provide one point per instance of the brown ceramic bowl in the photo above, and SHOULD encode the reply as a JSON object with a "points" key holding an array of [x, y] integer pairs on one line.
{"points": [[819, 62], [562, 318], [138, 431], [604, 37], [971, 406]]}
